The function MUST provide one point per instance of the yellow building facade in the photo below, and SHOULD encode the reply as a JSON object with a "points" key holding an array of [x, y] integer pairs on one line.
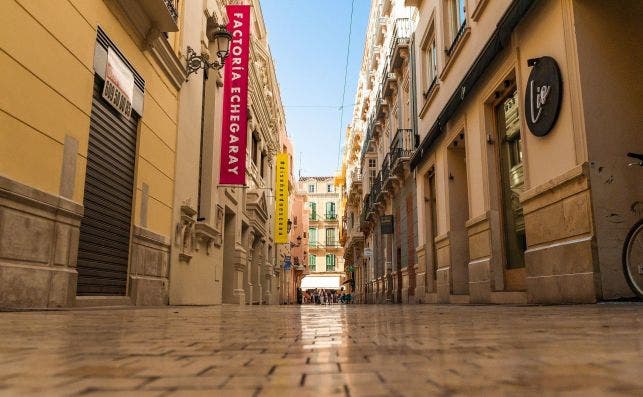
{"points": [[51, 135], [109, 192]]}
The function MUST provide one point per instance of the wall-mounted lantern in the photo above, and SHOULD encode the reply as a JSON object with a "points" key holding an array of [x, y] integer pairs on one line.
{"points": [[221, 37]]}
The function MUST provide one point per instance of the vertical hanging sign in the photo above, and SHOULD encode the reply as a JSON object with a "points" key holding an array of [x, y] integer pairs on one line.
{"points": [[235, 99], [281, 199]]}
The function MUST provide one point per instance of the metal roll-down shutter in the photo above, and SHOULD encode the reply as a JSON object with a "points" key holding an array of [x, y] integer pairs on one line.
{"points": [[103, 249]]}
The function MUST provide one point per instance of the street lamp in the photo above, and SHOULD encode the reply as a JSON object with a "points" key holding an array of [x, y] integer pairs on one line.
{"points": [[221, 38]]}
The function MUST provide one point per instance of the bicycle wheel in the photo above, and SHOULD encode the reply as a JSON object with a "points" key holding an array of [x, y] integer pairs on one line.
{"points": [[633, 258]]}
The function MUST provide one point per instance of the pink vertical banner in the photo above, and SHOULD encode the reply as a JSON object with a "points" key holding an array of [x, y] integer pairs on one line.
{"points": [[235, 98]]}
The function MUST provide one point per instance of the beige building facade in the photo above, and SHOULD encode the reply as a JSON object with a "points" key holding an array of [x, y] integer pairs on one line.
{"points": [[325, 254], [101, 203], [522, 191]]}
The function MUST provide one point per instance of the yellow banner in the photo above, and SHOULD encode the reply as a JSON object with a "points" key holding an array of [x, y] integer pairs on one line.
{"points": [[281, 199]]}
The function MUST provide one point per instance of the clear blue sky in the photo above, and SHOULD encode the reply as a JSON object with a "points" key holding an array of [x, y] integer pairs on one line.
{"points": [[308, 40]]}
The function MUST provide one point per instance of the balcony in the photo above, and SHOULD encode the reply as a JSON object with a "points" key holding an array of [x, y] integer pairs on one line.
{"points": [[381, 108], [333, 244], [390, 84], [400, 41], [386, 170], [330, 268], [377, 188], [331, 216], [368, 138], [356, 176], [313, 217], [147, 15], [404, 144]]}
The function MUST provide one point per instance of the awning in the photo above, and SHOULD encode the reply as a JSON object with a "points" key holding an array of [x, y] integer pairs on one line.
{"points": [[322, 282]]}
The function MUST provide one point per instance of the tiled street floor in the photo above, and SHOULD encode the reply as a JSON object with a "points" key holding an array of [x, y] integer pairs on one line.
{"points": [[386, 350]]}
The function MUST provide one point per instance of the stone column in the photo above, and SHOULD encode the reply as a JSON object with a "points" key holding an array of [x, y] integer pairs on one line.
{"points": [[249, 287]]}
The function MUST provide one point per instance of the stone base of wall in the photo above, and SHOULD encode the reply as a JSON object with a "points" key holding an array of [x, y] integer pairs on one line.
{"points": [[560, 259], [149, 269], [38, 247]]}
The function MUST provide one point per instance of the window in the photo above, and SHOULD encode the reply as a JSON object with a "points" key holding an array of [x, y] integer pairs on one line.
{"points": [[432, 62], [262, 164], [429, 76], [330, 237], [255, 148], [371, 177], [313, 211], [330, 188], [295, 221], [330, 262], [331, 215], [311, 188], [312, 262], [457, 18], [372, 163], [312, 236]]}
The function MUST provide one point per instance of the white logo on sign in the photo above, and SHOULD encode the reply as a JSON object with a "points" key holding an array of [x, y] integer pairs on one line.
{"points": [[541, 98]]}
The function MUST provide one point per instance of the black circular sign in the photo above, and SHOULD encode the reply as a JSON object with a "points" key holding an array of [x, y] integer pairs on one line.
{"points": [[543, 95]]}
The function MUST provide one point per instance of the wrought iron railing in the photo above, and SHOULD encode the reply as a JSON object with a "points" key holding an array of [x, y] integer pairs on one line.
{"points": [[172, 8], [386, 169], [331, 216], [377, 187], [403, 145], [457, 38], [432, 86], [369, 136], [402, 31]]}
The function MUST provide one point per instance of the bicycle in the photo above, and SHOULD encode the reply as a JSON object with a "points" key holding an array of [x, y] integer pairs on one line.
{"points": [[633, 247]]}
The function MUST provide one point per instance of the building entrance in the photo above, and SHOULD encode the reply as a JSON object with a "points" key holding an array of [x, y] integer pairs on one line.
{"points": [[512, 181], [103, 248]]}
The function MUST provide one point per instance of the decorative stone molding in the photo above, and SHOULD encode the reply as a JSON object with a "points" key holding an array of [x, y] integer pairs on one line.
{"points": [[185, 235]]}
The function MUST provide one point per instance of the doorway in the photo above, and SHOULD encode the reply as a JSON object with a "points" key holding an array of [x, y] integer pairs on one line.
{"points": [[512, 179]]}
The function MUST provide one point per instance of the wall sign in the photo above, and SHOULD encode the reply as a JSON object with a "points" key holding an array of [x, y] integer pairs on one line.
{"points": [[281, 198], [235, 99], [543, 95], [386, 224], [368, 252], [119, 84]]}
